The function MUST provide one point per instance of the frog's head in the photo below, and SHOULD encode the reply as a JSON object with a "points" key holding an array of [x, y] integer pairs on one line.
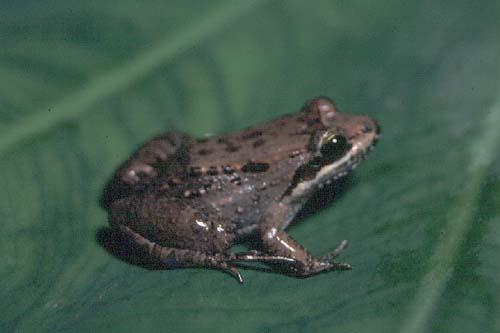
{"points": [[338, 143]]}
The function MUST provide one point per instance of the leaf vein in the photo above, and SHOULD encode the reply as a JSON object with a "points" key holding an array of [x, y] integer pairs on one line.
{"points": [[79, 103]]}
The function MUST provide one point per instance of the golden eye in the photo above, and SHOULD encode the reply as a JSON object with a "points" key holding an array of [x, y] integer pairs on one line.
{"points": [[334, 147]]}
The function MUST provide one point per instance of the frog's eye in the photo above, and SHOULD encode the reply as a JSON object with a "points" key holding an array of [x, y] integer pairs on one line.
{"points": [[334, 147]]}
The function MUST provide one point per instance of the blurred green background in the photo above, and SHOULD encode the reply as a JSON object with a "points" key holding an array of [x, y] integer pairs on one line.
{"points": [[82, 84]]}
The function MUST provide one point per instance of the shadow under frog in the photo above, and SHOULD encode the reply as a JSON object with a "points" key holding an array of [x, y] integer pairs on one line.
{"points": [[184, 202]]}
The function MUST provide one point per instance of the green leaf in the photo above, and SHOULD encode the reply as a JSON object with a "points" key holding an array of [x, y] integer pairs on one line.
{"points": [[84, 83]]}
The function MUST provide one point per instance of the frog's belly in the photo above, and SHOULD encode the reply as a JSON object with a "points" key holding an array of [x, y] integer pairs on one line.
{"points": [[241, 209], [248, 225], [245, 204], [247, 216]]}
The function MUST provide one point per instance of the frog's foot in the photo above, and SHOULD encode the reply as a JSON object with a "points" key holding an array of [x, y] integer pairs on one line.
{"points": [[327, 263], [292, 266], [314, 266], [223, 262], [340, 266], [257, 256], [329, 258]]}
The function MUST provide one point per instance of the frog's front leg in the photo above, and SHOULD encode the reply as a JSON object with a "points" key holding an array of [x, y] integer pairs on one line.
{"points": [[277, 242]]}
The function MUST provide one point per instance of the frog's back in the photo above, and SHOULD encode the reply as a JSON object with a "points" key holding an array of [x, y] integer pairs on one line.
{"points": [[242, 174]]}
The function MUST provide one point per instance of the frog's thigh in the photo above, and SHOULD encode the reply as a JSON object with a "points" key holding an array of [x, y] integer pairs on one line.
{"points": [[143, 163], [174, 257]]}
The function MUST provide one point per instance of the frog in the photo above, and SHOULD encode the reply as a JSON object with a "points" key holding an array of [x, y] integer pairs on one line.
{"points": [[186, 201]]}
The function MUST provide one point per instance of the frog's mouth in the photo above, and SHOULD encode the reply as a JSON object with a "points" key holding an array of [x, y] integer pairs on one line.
{"points": [[314, 175]]}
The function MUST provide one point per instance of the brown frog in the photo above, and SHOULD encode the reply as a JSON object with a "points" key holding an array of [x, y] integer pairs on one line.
{"points": [[186, 201]]}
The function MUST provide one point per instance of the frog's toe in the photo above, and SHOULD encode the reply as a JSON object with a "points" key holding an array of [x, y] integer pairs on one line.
{"points": [[256, 256], [332, 255], [233, 272], [341, 266]]}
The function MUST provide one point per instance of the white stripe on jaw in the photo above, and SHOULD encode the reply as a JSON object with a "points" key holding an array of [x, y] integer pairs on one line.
{"points": [[326, 171]]}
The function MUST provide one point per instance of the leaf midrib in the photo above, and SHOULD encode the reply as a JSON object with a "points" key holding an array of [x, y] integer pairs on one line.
{"points": [[441, 263]]}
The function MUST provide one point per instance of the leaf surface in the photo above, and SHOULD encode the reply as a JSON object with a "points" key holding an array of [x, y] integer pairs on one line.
{"points": [[84, 83]]}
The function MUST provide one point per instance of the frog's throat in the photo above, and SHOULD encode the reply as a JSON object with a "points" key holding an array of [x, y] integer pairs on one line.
{"points": [[332, 171]]}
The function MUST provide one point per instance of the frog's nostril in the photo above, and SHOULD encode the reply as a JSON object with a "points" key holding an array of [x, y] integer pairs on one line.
{"points": [[368, 127]]}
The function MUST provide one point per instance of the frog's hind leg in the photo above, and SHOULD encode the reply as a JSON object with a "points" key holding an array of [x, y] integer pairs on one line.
{"points": [[164, 151], [177, 258], [165, 154]]}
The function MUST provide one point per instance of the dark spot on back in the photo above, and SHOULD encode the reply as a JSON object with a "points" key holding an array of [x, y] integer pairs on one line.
{"points": [[255, 167], [232, 149], [195, 171], [202, 140], [251, 135], [205, 152], [230, 146], [212, 171], [300, 119], [258, 142]]}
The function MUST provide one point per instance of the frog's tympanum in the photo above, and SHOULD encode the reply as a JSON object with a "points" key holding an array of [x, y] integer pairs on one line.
{"points": [[186, 201]]}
